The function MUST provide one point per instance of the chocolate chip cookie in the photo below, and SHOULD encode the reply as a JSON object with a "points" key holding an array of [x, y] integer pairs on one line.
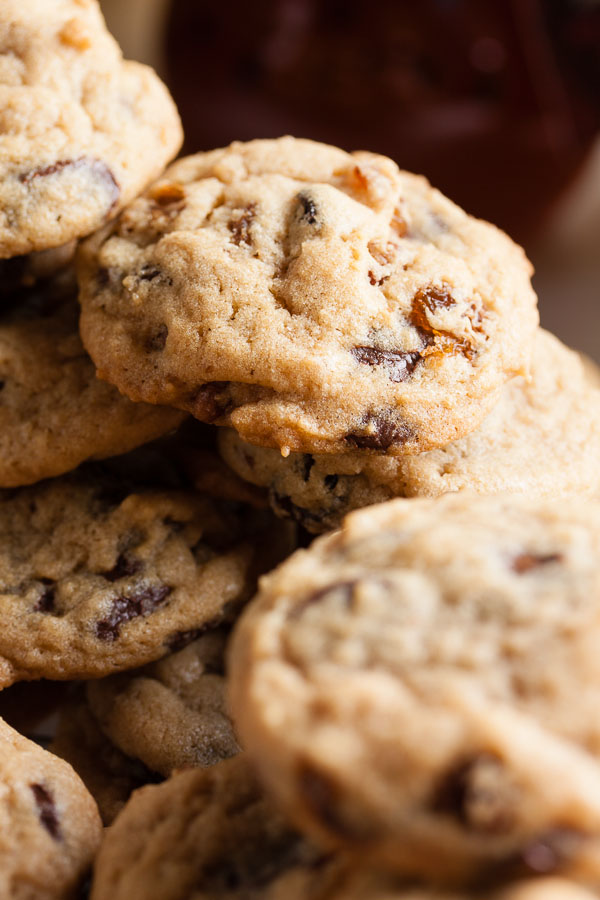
{"points": [[315, 300], [49, 824], [100, 574], [54, 412], [82, 131], [421, 687], [171, 714], [541, 439]]}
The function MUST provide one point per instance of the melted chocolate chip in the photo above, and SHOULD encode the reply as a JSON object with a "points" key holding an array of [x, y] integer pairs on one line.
{"points": [[240, 228], [308, 462], [45, 603], [142, 602], [399, 364], [46, 810], [474, 793], [525, 562], [211, 401], [379, 434], [98, 169], [309, 209], [123, 568], [157, 341]]}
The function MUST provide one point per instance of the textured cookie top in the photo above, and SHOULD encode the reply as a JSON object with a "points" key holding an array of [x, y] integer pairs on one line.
{"points": [[54, 412], [81, 130], [171, 714], [313, 299], [541, 439], [98, 574], [422, 686], [203, 834], [49, 825]]}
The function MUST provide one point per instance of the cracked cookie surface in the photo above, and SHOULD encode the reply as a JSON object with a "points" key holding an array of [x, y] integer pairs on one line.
{"points": [[313, 299], [49, 824], [420, 687], [100, 574], [82, 131], [541, 439], [54, 412]]}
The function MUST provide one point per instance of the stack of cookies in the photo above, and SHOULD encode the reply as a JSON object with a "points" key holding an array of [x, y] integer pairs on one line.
{"points": [[241, 350]]}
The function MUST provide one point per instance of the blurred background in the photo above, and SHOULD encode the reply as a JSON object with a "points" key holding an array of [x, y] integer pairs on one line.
{"points": [[497, 102]]}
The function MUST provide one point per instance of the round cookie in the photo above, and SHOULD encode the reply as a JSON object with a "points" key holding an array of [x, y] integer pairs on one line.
{"points": [[313, 299], [49, 824], [421, 687], [109, 775], [541, 439], [54, 412], [171, 714], [100, 574], [82, 131], [21, 272]]}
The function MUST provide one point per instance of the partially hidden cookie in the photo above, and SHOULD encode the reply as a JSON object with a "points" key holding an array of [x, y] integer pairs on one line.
{"points": [[54, 412], [591, 369], [49, 824], [171, 714], [541, 439], [420, 688], [313, 299], [109, 775], [82, 131], [99, 573]]}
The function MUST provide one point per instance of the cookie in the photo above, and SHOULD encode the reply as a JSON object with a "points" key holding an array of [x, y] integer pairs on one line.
{"points": [[313, 299], [171, 714], [82, 131], [421, 687], [109, 775], [54, 412], [591, 369], [203, 834], [541, 439], [50, 827], [100, 574], [21, 272]]}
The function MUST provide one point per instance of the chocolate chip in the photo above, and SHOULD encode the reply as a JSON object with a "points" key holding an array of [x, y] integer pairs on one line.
{"points": [[527, 561], [330, 482], [474, 792], [379, 434], [309, 209], [149, 272], [142, 602], [240, 227], [399, 364], [211, 401], [47, 810], [156, 342], [308, 462], [45, 603], [98, 169], [108, 278], [123, 568]]}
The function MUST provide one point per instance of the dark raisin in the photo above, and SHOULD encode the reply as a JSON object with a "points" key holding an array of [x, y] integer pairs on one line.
{"points": [[211, 401], [156, 342], [309, 209], [46, 810], [379, 434], [142, 602], [399, 364], [240, 227], [123, 568], [330, 482], [308, 462], [98, 169], [527, 561], [474, 793]]}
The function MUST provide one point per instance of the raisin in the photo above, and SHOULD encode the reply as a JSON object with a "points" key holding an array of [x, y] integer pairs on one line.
{"points": [[157, 341], [240, 227], [211, 401], [309, 209], [123, 568], [399, 364], [441, 342], [472, 793], [142, 602], [527, 561], [96, 167], [47, 810], [379, 434]]}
